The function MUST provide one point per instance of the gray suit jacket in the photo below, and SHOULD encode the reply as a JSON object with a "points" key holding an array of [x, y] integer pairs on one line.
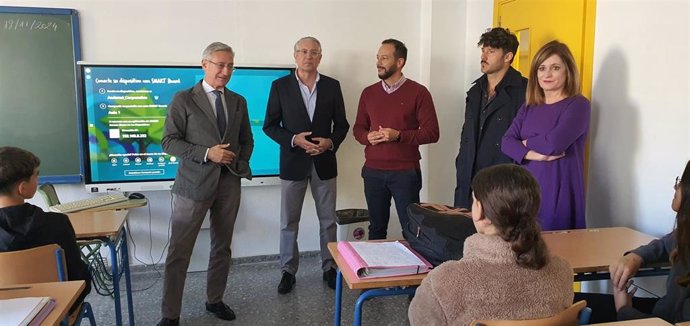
{"points": [[190, 129]]}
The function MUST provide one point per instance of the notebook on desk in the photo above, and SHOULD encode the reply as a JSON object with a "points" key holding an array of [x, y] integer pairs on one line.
{"points": [[27, 311], [381, 259]]}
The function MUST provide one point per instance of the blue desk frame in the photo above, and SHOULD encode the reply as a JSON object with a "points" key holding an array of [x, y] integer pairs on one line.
{"points": [[363, 297], [112, 245], [119, 242]]}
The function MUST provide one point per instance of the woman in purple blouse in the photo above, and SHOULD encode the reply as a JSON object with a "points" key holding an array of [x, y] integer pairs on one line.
{"points": [[548, 136]]}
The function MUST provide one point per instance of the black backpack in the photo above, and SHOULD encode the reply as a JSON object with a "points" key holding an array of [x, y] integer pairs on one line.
{"points": [[437, 231]]}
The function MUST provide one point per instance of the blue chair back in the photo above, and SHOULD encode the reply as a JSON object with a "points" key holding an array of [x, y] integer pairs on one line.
{"points": [[585, 314]]}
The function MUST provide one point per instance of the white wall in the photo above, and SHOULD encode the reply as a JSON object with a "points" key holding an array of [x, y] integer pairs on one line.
{"points": [[456, 28], [263, 32], [640, 112], [640, 117]]}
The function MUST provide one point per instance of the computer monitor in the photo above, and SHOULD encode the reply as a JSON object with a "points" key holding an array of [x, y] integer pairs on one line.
{"points": [[124, 107]]}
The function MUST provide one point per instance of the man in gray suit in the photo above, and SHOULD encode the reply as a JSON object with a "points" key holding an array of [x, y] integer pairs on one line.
{"points": [[208, 128]]}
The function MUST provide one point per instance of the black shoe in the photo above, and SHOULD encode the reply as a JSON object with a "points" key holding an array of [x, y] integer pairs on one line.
{"points": [[329, 277], [286, 283], [169, 322], [221, 310]]}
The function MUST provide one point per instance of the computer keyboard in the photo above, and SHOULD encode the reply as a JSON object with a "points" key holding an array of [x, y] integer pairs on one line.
{"points": [[80, 205]]}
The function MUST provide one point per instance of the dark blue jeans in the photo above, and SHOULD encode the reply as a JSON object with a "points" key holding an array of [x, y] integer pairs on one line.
{"points": [[379, 186]]}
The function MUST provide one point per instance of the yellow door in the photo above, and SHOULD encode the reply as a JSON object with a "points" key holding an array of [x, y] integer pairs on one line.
{"points": [[536, 22]]}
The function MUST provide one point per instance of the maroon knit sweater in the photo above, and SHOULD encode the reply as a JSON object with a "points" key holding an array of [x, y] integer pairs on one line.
{"points": [[409, 110]]}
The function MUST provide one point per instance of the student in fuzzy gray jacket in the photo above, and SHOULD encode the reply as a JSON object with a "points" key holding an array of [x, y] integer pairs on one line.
{"points": [[506, 271]]}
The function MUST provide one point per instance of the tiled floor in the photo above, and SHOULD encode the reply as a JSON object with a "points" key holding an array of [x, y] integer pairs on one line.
{"points": [[252, 294]]}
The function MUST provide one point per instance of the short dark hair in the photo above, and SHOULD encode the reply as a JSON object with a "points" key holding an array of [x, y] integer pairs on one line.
{"points": [[400, 48], [500, 38], [16, 165], [510, 198]]}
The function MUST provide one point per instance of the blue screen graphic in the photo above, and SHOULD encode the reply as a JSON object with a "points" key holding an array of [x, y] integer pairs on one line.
{"points": [[125, 108]]}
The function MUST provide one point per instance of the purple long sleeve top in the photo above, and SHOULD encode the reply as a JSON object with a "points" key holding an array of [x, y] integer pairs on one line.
{"points": [[552, 129]]}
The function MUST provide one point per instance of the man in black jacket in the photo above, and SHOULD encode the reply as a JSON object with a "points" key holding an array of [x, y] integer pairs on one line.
{"points": [[305, 115], [491, 104], [25, 226]]}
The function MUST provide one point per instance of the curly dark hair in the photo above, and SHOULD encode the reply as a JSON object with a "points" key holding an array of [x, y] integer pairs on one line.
{"points": [[500, 38], [510, 198], [16, 165]]}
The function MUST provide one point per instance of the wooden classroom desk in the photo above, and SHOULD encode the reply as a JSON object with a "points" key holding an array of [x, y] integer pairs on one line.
{"points": [[377, 287], [355, 283], [591, 251], [108, 227], [64, 294], [637, 322], [97, 224]]}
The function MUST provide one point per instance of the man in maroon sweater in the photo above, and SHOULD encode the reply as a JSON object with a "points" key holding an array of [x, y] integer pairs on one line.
{"points": [[394, 117]]}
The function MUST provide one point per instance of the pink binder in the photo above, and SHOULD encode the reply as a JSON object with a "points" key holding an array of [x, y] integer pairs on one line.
{"points": [[382, 259], [45, 311]]}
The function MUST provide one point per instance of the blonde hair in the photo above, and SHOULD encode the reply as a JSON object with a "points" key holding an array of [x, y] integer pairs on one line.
{"points": [[535, 94]]}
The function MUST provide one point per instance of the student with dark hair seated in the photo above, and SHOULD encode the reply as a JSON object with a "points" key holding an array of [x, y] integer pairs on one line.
{"points": [[506, 271], [674, 248], [25, 226]]}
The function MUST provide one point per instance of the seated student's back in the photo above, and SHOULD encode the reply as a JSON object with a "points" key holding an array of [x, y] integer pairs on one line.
{"points": [[506, 271], [25, 226]]}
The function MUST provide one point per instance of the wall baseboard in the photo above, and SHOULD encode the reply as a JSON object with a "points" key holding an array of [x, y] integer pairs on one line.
{"points": [[148, 268]]}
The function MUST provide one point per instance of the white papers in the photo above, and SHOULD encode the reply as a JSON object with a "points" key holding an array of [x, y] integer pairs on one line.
{"points": [[21, 311], [386, 254]]}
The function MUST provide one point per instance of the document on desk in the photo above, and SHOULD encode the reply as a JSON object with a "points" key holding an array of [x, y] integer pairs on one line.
{"points": [[25, 311], [381, 259]]}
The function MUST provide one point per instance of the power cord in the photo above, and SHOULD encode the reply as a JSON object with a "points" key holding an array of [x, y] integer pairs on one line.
{"points": [[154, 262], [632, 286]]}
